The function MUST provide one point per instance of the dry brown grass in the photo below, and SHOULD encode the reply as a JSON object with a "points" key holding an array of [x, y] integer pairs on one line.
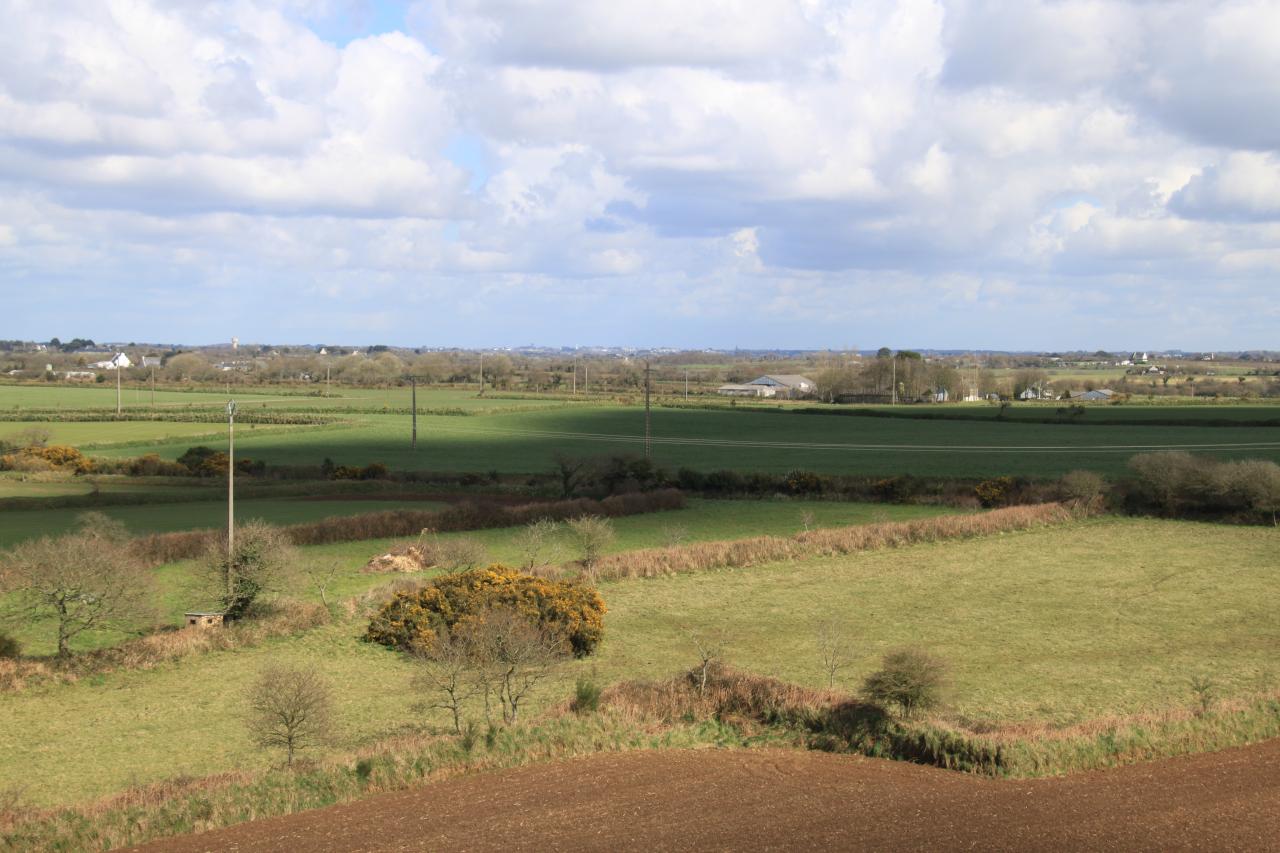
{"points": [[658, 562], [730, 694]]}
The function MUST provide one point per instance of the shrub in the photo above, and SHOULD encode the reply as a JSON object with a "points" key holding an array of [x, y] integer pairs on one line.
{"points": [[458, 554], [910, 679], [994, 492], [571, 611], [9, 647], [592, 534], [1083, 488], [194, 457], [586, 696], [803, 483]]}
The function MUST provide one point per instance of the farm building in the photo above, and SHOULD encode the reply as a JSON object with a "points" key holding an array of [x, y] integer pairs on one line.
{"points": [[203, 619], [735, 390], [116, 362], [786, 385], [1100, 395]]}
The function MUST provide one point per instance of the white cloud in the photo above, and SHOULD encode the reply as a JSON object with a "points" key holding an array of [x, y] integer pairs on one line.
{"points": [[970, 156]]}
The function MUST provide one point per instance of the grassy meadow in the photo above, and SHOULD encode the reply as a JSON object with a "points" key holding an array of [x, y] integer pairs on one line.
{"points": [[1048, 627], [700, 521]]}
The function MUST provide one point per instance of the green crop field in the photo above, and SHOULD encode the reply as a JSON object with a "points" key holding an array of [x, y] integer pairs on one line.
{"points": [[742, 440], [520, 435], [1050, 627]]}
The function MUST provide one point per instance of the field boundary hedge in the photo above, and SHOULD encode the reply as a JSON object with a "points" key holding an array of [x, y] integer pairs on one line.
{"points": [[759, 550], [160, 548]]}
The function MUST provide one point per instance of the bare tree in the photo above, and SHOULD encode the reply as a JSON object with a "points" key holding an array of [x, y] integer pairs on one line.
{"points": [[83, 581], [447, 675], [572, 472], [321, 574], [592, 534], [460, 553], [806, 520], [536, 539], [512, 655], [710, 646], [289, 708], [674, 535], [833, 649]]}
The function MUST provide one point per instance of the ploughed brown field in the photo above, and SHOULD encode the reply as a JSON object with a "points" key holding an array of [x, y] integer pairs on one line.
{"points": [[793, 800]]}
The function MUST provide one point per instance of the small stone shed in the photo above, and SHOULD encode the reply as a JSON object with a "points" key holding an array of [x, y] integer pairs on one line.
{"points": [[203, 619]]}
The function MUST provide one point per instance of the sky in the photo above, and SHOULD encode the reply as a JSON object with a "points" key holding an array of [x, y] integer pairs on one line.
{"points": [[716, 173]]}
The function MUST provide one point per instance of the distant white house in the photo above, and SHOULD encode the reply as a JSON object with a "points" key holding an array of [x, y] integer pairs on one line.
{"points": [[1035, 392], [80, 374], [119, 361], [735, 390], [786, 384]]}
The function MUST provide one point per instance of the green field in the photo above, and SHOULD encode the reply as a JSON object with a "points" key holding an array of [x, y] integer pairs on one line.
{"points": [[702, 520], [742, 440], [519, 435], [1053, 626]]}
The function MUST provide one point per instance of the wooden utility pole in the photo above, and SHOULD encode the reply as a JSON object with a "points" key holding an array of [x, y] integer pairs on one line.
{"points": [[586, 377], [153, 388], [231, 481], [648, 436], [119, 369], [894, 382], [575, 376], [686, 384], [413, 383], [481, 374]]}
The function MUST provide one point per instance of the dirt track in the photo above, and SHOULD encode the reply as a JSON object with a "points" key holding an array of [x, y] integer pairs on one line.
{"points": [[792, 800]]}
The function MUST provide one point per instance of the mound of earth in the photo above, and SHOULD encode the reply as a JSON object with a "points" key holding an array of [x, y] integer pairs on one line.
{"points": [[793, 800]]}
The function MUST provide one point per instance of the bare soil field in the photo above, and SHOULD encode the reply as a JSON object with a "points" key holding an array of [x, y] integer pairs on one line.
{"points": [[793, 800]]}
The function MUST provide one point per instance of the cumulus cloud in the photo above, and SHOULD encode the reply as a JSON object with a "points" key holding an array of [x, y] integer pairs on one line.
{"points": [[726, 172]]}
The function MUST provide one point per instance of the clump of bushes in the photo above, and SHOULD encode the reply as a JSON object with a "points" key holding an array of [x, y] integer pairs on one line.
{"points": [[201, 461], [1178, 483], [54, 457], [910, 680], [998, 491], [372, 471], [10, 648], [414, 620]]}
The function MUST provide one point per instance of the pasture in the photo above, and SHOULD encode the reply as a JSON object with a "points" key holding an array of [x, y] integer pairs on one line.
{"points": [[1048, 627], [700, 521]]}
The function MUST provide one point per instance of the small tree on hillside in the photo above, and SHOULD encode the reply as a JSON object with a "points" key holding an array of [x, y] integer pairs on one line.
{"points": [[571, 472], [536, 543], [592, 535], [263, 561], [833, 649], [511, 654], [910, 679], [86, 580], [448, 675], [290, 709]]}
